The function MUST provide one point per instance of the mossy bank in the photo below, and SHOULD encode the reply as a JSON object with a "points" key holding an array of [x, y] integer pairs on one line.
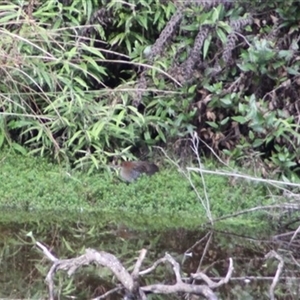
{"points": [[36, 187]]}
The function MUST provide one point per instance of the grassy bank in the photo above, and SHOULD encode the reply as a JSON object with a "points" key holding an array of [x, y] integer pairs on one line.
{"points": [[33, 185]]}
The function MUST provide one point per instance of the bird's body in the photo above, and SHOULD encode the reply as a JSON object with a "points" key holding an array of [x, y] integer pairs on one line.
{"points": [[131, 170]]}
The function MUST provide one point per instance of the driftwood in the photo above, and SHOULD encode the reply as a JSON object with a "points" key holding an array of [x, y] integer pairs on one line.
{"points": [[129, 283]]}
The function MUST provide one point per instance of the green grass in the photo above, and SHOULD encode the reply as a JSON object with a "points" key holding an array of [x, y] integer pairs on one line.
{"points": [[30, 184]]}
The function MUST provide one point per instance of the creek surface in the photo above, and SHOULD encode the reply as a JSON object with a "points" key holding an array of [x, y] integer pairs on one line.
{"points": [[24, 267]]}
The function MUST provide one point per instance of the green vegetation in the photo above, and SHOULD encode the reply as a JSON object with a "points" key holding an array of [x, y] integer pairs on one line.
{"points": [[85, 81], [166, 199]]}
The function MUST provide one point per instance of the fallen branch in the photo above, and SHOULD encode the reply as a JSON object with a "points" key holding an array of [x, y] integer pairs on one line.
{"points": [[129, 282], [211, 283]]}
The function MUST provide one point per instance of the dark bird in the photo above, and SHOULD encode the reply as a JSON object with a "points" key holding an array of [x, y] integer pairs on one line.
{"points": [[131, 170]]}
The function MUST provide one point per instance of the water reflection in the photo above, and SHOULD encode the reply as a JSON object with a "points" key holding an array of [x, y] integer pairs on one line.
{"points": [[24, 268]]}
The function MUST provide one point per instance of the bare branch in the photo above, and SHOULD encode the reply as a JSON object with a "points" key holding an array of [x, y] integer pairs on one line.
{"points": [[129, 283], [136, 270], [112, 291], [149, 270], [294, 235], [211, 283], [272, 254], [46, 252], [181, 287], [91, 256]]}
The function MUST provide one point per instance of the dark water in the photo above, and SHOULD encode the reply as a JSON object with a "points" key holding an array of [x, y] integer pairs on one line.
{"points": [[24, 267]]}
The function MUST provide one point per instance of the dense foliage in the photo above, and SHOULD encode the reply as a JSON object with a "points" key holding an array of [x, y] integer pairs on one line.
{"points": [[88, 80]]}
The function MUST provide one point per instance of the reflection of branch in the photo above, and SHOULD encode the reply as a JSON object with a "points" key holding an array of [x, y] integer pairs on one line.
{"points": [[272, 254], [129, 283]]}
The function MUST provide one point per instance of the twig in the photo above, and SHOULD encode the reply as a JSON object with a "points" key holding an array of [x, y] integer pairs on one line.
{"points": [[136, 270], [47, 252], [211, 283], [249, 278], [294, 235], [246, 211], [154, 266], [195, 148], [269, 181], [196, 244], [272, 254], [112, 291]]}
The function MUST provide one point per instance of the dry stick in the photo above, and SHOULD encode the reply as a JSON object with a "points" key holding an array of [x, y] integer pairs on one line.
{"points": [[135, 273], [294, 235], [136, 270], [245, 278], [246, 211], [196, 244], [117, 289], [203, 290], [195, 147], [283, 235], [211, 283], [270, 181], [153, 267], [278, 272], [176, 267], [47, 252], [205, 251], [296, 263]]}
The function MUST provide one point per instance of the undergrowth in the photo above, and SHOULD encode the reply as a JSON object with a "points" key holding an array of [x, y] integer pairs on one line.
{"points": [[84, 82]]}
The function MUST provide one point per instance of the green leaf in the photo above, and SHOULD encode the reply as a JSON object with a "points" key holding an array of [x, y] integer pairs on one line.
{"points": [[192, 89], [213, 124], [215, 14], [257, 143], [251, 135], [2, 138], [239, 119], [19, 148], [161, 135], [222, 35], [81, 82], [225, 121], [226, 101], [206, 46], [142, 20]]}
